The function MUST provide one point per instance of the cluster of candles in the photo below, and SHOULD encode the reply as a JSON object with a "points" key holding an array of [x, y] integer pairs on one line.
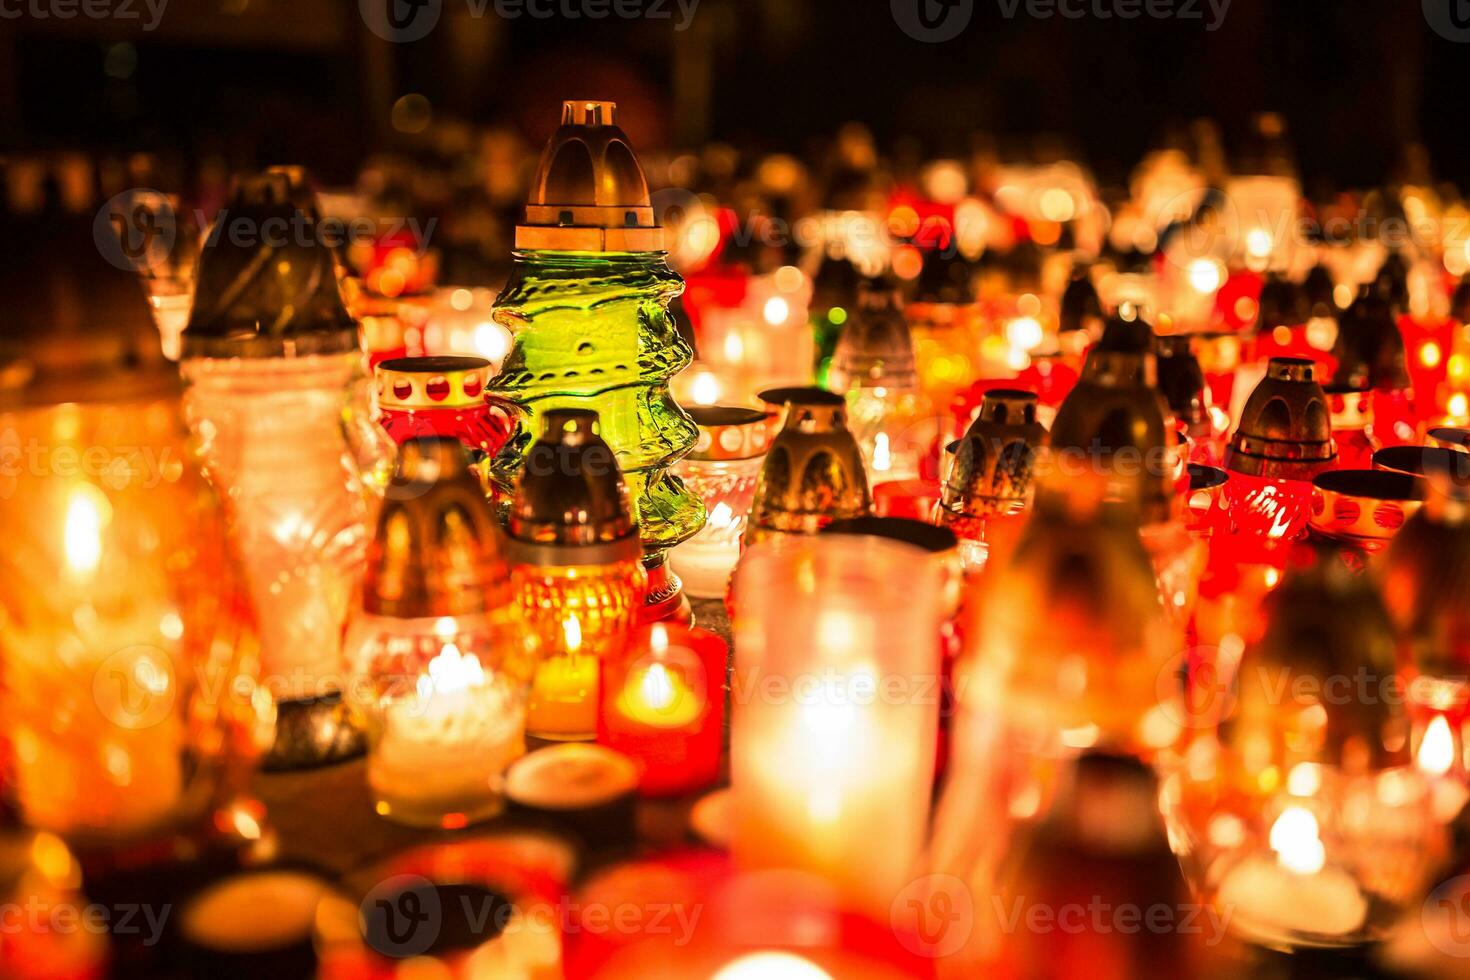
{"points": [[1025, 517]]}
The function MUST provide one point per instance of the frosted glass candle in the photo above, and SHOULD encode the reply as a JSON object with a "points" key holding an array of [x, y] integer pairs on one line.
{"points": [[835, 711], [274, 442]]}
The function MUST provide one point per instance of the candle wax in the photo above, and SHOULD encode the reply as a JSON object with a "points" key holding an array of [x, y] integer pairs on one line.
{"points": [[658, 697], [443, 750], [564, 697], [1273, 903]]}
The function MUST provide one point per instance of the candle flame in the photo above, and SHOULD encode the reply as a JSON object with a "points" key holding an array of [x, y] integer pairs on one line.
{"points": [[1295, 837], [734, 348], [1459, 405], [87, 513], [776, 310], [657, 687], [882, 458], [1437, 751], [572, 630], [721, 516], [705, 388], [450, 671]]}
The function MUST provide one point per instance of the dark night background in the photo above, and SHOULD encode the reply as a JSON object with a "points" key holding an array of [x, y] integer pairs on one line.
{"points": [[261, 81]]}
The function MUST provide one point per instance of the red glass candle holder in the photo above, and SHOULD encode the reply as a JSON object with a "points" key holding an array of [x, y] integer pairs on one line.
{"points": [[443, 396], [663, 705], [1205, 511], [1352, 423]]}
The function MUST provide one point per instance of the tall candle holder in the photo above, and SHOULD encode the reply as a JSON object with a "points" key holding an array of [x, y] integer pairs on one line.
{"points": [[438, 647], [271, 355], [587, 306], [820, 769], [574, 554], [131, 709]]}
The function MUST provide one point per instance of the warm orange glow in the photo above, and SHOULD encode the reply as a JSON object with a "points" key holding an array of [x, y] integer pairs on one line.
{"points": [[1296, 840], [87, 513], [1437, 750], [1429, 355]]}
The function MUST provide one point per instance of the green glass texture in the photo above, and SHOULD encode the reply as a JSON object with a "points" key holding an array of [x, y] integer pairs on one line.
{"points": [[593, 330]]}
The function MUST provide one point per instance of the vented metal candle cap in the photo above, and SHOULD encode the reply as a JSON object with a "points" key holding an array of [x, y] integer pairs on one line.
{"points": [[589, 193], [437, 550], [1285, 430], [77, 328], [571, 505], [267, 278], [1081, 309], [813, 473], [1115, 416], [996, 460]]}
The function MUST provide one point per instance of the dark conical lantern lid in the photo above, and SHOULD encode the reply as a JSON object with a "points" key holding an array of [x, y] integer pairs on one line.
{"points": [[571, 504], [1285, 429], [267, 281]]}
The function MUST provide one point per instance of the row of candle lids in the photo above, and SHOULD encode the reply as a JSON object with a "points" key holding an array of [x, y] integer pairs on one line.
{"points": [[438, 551]]}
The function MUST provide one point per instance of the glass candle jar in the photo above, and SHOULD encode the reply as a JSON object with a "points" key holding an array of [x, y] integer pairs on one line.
{"points": [[440, 659], [575, 568], [128, 649], [443, 723], [722, 470], [820, 767], [663, 706]]}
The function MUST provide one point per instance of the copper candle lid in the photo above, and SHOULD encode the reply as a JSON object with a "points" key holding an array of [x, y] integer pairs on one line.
{"points": [[1081, 309], [995, 462], [272, 294], [729, 432], [814, 471], [1371, 504], [571, 505], [1116, 415], [437, 549], [775, 400], [1285, 430], [589, 193], [432, 382], [920, 534]]}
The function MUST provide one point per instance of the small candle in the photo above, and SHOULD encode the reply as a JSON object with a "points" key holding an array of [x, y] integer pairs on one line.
{"points": [[663, 705], [439, 756], [564, 691], [1293, 891]]}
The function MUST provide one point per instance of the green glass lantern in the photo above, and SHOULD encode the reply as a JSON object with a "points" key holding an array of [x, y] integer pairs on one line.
{"points": [[587, 304]]}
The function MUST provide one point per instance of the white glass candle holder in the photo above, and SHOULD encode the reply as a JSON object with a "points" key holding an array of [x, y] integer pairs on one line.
{"points": [[835, 711], [722, 470]]}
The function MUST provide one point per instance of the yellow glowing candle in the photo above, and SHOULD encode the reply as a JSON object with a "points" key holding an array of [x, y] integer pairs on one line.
{"points": [[564, 691]]}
